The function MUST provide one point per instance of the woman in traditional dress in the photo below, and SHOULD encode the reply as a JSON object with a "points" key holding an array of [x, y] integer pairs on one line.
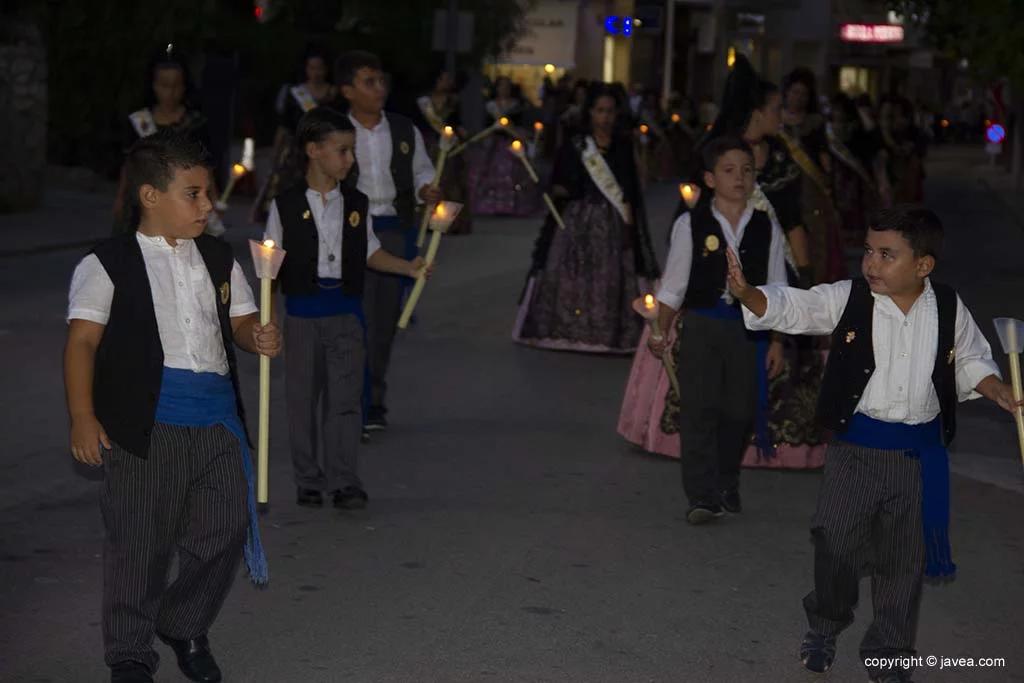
{"points": [[168, 97], [805, 134], [584, 278], [858, 173], [906, 146], [438, 109], [571, 119], [315, 90], [499, 184], [751, 108]]}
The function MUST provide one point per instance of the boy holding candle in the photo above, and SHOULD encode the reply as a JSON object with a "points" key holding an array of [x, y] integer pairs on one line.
{"points": [[904, 351], [718, 362], [327, 232], [391, 163], [152, 389]]}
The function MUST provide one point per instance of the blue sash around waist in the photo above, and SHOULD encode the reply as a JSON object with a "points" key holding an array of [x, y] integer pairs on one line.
{"points": [[762, 434], [924, 442], [206, 399]]}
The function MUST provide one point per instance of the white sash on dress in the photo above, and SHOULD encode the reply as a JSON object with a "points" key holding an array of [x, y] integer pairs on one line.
{"points": [[143, 123], [304, 98], [427, 107], [603, 177], [759, 200]]}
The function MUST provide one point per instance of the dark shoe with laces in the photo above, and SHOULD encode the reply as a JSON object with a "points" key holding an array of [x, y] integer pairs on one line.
{"points": [[195, 659], [310, 498], [702, 513], [376, 420], [892, 676], [130, 672], [350, 498], [731, 502], [818, 652]]}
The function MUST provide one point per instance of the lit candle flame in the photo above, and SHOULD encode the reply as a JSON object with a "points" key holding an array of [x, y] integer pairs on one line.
{"points": [[538, 126], [649, 302], [440, 211], [269, 244], [687, 191], [238, 169], [517, 146], [675, 118], [449, 131], [503, 121], [549, 68], [644, 129]]}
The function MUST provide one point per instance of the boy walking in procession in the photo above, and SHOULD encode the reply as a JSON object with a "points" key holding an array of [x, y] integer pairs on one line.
{"points": [[905, 350], [394, 171], [153, 394]]}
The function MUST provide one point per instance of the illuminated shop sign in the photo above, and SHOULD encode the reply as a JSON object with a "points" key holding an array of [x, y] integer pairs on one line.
{"points": [[871, 33]]}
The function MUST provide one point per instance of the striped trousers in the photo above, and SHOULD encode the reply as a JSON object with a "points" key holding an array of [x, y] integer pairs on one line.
{"points": [[384, 296], [869, 514], [324, 363], [189, 495]]}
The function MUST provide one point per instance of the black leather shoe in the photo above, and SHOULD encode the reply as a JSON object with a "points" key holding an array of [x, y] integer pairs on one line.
{"points": [[818, 652], [731, 502], [893, 676], [376, 420], [194, 659], [310, 498], [350, 498], [703, 513], [130, 672]]}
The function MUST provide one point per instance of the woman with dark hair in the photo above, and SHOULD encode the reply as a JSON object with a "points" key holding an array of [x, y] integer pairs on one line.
{"points": [[167, 98], [751, 109], [312, 90], [906, 146], [584, 278], [499, 184], [569, 121], [434, 111], [859, 172], [804, 132]]}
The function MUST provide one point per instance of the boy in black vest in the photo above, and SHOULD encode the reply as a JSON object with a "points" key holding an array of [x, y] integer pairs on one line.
{"points": [[394, 171], [904, 351], [327, 232], [718, 360], [152, 389]]}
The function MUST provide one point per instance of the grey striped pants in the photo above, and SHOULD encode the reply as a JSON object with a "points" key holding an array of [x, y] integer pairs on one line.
{"points": [[189, 495], [869, 513], [324, 360], [383, 299]]}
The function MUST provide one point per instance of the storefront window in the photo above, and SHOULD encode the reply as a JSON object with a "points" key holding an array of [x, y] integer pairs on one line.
{"points": [[855, 80]]}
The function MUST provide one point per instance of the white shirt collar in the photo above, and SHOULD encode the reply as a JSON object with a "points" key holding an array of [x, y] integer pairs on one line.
{"points": [[889, 306], [159, 241], [382, 125]]}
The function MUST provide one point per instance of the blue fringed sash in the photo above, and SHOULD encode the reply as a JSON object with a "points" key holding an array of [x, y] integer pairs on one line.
{"points": [[924, 442], [762, 433], [205, 399]]}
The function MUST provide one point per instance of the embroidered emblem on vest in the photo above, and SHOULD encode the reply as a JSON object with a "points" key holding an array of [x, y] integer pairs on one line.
{"points": [[305, 215], [404, 147], [353, 219], [711, 243], [225, 293], [850, 336]]}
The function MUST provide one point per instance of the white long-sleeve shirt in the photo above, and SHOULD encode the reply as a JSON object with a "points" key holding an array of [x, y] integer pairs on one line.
{"points": [[373, 153], [676, 278], [900, 390]]}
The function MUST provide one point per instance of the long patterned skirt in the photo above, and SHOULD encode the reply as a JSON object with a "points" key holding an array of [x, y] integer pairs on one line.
{"points": [[499, 184], [582, 299]]}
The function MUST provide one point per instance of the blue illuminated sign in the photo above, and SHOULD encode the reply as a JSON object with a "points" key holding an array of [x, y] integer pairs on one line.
{"points": [[995, 133], [619, 25]]}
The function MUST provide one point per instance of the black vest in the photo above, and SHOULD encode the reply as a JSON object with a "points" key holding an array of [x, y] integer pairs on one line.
{"points": [[130, 358], [851, 360], [301, 241], [403, 147], [708, 270]]}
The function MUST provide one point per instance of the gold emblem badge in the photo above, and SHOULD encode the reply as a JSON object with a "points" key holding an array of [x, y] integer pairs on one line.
{"points": [[952, 356], [711, 243], [850, 336], [305, 215], [225, 293], [404, 147], [353, 219]]}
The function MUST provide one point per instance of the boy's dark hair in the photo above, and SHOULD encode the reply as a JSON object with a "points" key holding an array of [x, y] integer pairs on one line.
{"points": [[918, 225], [719, 147], [348, 64], [317, 124], [153, 161]]}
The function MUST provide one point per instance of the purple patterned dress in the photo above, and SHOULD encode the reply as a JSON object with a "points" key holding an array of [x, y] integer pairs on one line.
{"points": [[499, 184]]}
